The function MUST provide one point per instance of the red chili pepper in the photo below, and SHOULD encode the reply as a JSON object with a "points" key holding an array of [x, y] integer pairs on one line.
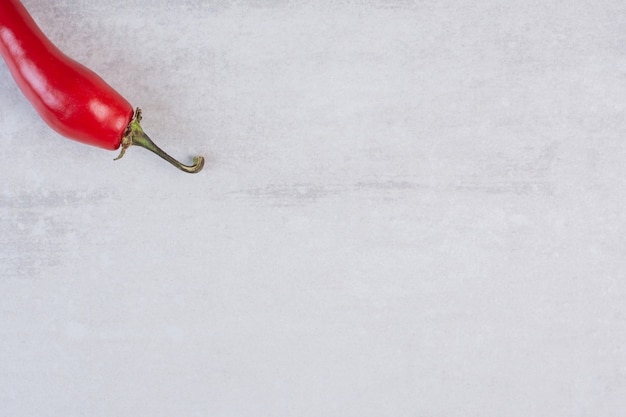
{"points": [[71, 98]]}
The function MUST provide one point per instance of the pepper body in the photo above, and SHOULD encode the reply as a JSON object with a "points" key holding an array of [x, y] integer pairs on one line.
{"points": [[69, 97]]}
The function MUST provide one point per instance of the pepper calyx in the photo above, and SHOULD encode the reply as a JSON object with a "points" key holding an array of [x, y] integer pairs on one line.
{"points": [[134, 135]]}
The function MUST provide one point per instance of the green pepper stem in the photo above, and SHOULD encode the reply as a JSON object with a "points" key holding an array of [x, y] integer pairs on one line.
{"points": [[135, 135]]}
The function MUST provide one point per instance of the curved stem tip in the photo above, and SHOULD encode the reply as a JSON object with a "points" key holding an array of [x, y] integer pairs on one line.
{"points": [[135, 135]]}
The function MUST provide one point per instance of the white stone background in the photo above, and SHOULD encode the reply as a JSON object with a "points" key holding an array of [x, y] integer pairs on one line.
{"points": [[410, 208]]}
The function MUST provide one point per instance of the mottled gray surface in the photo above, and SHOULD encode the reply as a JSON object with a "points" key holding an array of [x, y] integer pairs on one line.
{"points": [[410, 208]]}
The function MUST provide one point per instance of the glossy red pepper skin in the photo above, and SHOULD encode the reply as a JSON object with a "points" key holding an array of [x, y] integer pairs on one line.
{"points": [[69, 97]]}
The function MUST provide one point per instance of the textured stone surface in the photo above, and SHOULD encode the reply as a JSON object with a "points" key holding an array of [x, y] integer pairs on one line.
{"points": [[410, 208]]}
